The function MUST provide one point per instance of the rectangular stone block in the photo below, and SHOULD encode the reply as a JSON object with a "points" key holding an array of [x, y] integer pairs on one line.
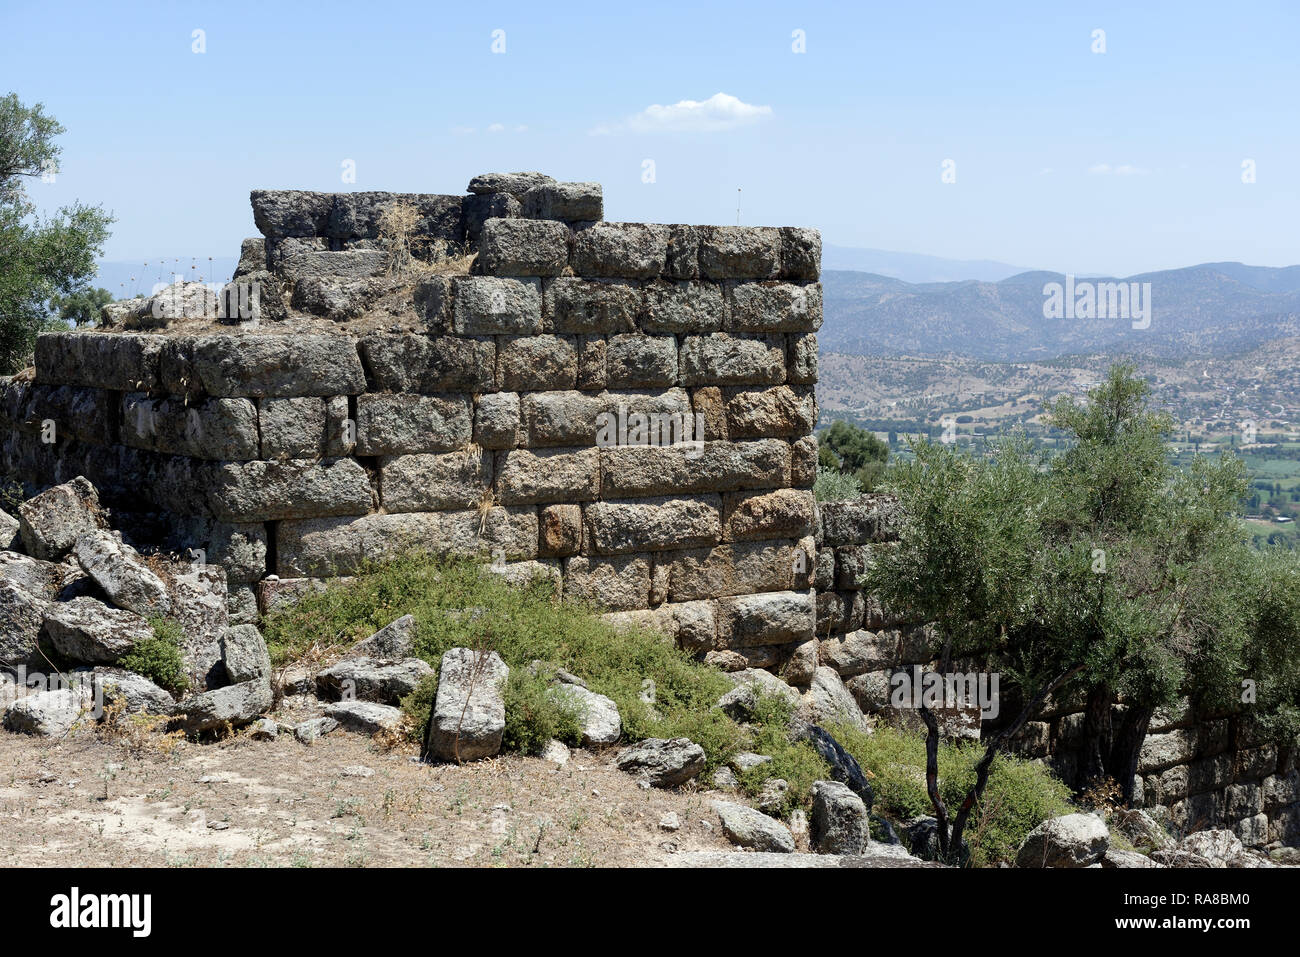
{"points": [[683, 307], [739, 252], [801, 252], [618, 583], [529, 363], [725, 359], [240, 549], [211, 429], [526, 476], [683, 252], [738, 569], [774, 307], [294, 488], [801, 358], [291, 428], [491, 305], [852, 522], [431, 482], [290, 212], [851, 563], [652, 524], [562, 418], [641, 361], [620, 250], [592, 367], [570, 202], [340, 428], [121, 361], [331, 547], [779, 411], [277, 365], [591, 306], [772, 618], [523, 247], [429, 364], [501, 533], [403, 423], [560, 528], [720, 467], [784, 513], [88, 415], [496, 420]]}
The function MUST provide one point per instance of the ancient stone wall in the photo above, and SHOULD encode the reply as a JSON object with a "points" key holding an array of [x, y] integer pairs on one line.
{"points": [[624, 407]]}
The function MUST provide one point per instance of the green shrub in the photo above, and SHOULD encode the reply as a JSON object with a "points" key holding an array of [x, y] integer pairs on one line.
{"points": [[1020, 794], [535, 713], [159, 658], [797, 763], [455, 603], [833, 486]]}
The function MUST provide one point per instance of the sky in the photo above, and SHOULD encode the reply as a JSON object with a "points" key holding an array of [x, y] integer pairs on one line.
{"points": [[842, 116]]}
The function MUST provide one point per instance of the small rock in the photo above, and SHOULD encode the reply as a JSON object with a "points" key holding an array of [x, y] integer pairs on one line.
{"points": [[599, 717], [663, 763], [829, 701], [1218, 847], [556, 752], [357, 771], [243, 649], [739, 703], [1118, 858], [135, 693], [749, 828], [218, 825], [773, 795], [724, 779], [308, 731], [746, 760], [366, 717], [670, 822], [392, 642], [265, 730]]}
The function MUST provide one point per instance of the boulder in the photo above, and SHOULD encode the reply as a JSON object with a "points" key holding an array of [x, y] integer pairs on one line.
{"points": [[51, 522], [844, 766], [49, 714], [751, 684], [40, 578], [370, 679], [390, 643], [469, 713], [1117, 858], [313, 728], [1173, 857], [828, 701], [840, 821], [264, 729], [200, 605], [135, 693], [88, 631], [10, 536], [923, 837], [663, 763], [1218, 847], [21, 614], [1073, 840], [243, 651], [774, 794], [598, 715], [124, 578], [235, 705], [1142, 830], [366, 717], [749, 828]]}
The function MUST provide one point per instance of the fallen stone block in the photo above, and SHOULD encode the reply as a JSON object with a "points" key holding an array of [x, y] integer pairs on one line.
{"points": [[369, 679], [663, 763], [88, 631], [234, 705], [51, 523], [753, 829], [469, 713], [124, 578]]}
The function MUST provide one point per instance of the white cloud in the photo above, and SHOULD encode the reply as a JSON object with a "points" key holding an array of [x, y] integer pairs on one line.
{"points": [[721, 111], [1124, 169]]}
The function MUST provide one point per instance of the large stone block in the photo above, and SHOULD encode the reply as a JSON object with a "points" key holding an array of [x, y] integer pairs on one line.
{"points": [[277, 365], [740, 252], [853, 522], [570, 202], [224, 429], [683, 307], [626, 250], [526, 363], [738, 569], [801, 253], [290, 212], [397, 424], [719, 467], [526, 476], [592, 306], [433, 482], [294, 488], [292, 428], [496, 420], [774, 307], [469, 712], [562, 418], [652, 524], [331, 547], [619, 583], [428, 364], [763, 413], [523, 247], [88, 415], [561, 530], [785, 513], [801, 358], [640, 361], [724, 359], [504, 533], [123, 362], [772, 618], [492, 305]]}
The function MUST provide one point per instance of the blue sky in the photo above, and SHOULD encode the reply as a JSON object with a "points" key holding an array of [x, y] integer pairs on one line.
{"points": [[1067, 159]]}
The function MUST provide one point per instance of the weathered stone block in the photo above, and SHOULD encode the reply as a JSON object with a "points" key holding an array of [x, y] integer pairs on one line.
{"points": [[290, 212], [683, 307], [561, 530], [432, 482], [544, 362], [724, 359], [652, 524], [641, 361], [592, 306], [491, 305], [277, 365], [720, 467], [526, 476], [592, 370], [778, 411], [123, 362], [767, 619], [738, 569], [801, 358], [504, 533], [562, 418], [785, 513], [801, 252], [291, 428], [739, 252], [413, 363], [683, 252], [619, 583], [212, 429], [397, 424], [329, 547], [774, 307], [523, 247], [627, 250], [294, 488], [570, 202]]}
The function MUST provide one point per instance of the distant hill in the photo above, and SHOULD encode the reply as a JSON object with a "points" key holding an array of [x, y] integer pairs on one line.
{"points": [[1211, 309], [915, 267]]}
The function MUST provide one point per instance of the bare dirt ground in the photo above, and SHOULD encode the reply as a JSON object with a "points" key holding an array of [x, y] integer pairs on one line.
{"points": [[87, 802]]}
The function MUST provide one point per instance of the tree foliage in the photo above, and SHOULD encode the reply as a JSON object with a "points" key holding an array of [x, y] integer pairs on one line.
{"points": [[41, 257], [854, 451]]}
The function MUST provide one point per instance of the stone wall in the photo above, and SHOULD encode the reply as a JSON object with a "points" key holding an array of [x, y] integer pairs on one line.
{"points": [[290, 452]]}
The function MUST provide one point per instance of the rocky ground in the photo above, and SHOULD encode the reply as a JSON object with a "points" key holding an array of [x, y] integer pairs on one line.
{"points": [[88, 801]]}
